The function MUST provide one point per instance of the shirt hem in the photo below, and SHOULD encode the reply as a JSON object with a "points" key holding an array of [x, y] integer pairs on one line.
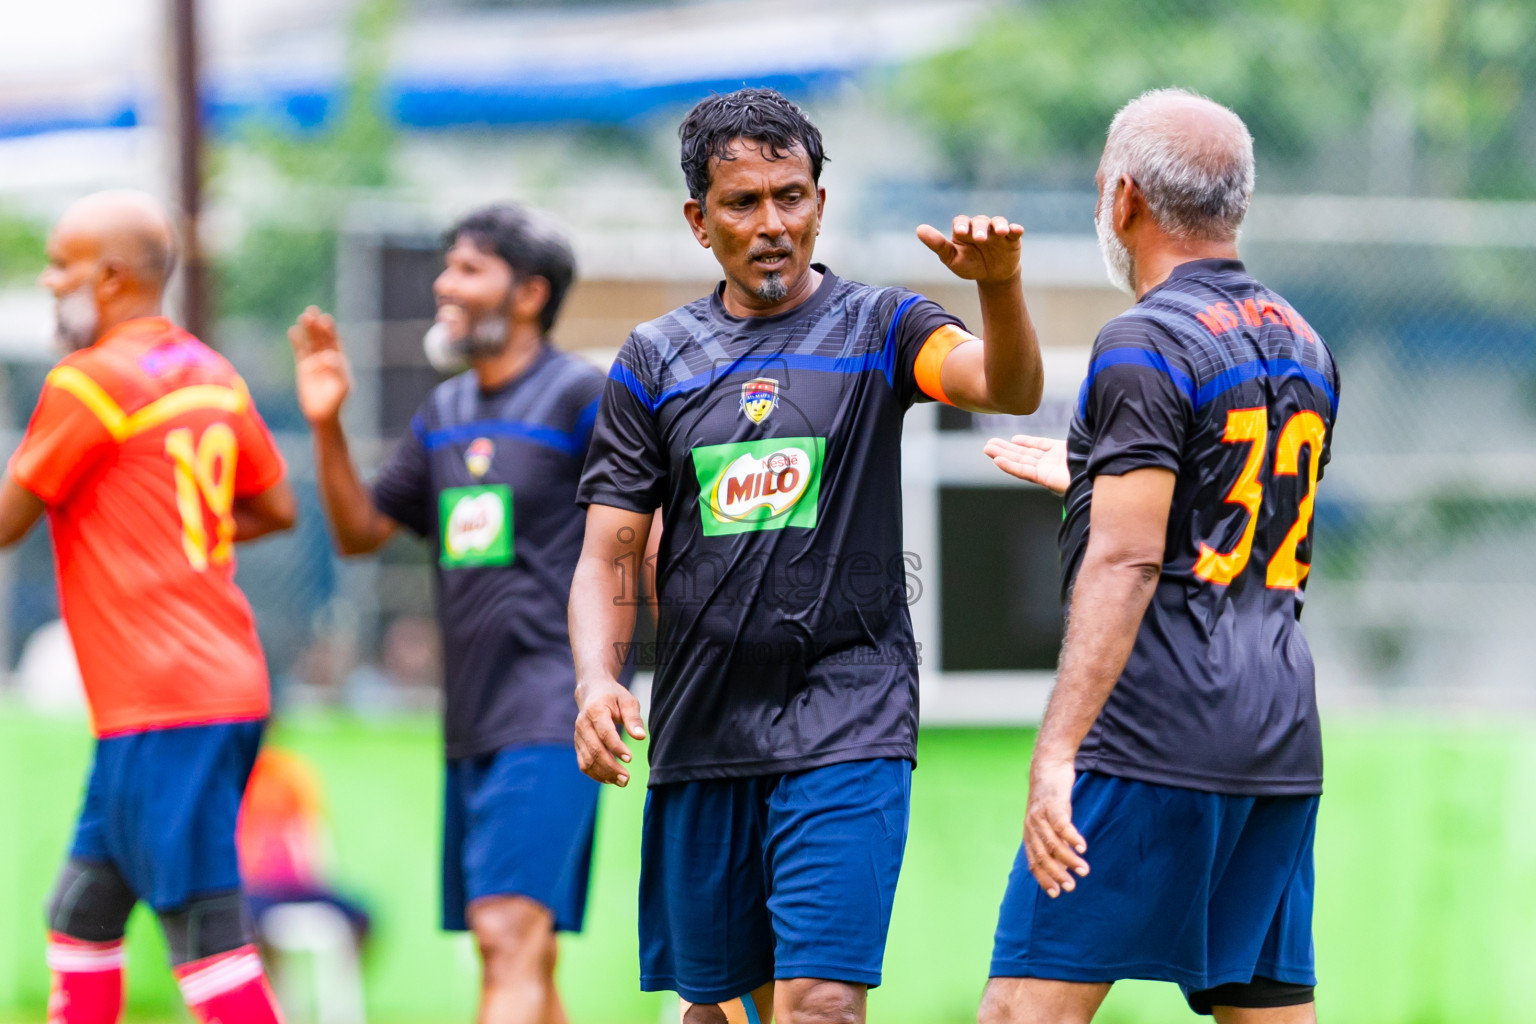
{"points": [[1224, 785], [662, 775], [479, 748], [182, 722]]}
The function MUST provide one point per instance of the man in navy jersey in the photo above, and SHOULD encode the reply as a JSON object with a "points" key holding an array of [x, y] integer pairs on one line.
{"points": [[487, 475], [1180, 753], [765, 420]]}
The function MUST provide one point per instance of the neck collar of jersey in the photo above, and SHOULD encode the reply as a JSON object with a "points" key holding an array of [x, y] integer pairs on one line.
{"points": [[819, 296], [138, 327], [1214, 265]]}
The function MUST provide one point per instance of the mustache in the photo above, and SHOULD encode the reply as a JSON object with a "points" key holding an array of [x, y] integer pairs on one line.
{"points": [[778, 247]]}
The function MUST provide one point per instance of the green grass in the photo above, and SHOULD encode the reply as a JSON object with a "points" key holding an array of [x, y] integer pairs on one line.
{"points": [[1426, 877]]}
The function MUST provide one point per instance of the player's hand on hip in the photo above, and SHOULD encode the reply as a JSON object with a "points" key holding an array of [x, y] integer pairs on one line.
{"points": [[1039, 460], [1052, 845], [601, 708], [981, 249], [321, 372]]}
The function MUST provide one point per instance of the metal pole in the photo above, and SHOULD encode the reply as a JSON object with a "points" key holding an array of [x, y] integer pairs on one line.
{"points": [[187, 128]]}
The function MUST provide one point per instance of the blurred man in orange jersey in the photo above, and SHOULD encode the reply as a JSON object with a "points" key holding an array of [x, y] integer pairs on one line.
{"points": [[151, 462]]}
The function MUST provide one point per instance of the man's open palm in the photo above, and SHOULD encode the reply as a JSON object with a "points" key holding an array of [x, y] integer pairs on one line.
{"points": [[321, 372], [981, 249]]}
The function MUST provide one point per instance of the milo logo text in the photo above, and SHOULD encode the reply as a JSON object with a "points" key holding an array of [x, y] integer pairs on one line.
{"points": [[766, 484]]}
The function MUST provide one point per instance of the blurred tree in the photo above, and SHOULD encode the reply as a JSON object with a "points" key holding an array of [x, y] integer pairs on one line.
{"points": [[21, 248], [286, 257], [1425, 97]]}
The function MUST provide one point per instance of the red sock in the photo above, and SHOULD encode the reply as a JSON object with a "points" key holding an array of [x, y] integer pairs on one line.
{"points": [[229, 988], [87, 981]]}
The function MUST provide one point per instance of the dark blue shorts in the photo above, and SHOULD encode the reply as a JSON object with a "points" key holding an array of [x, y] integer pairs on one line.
{"points": [[1195, 888], [743, 881], [162, 805], [518, 822]]}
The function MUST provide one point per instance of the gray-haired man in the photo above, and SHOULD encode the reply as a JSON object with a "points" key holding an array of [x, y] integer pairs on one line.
{"points": [[1180, 751]]}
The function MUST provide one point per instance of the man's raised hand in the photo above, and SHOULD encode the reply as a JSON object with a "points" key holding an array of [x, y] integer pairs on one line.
{"points": [[600, 750], [981, 249], [321, 373], [1039, 460]]}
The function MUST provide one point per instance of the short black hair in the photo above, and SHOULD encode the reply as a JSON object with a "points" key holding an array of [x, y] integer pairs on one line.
{"points": [[528, 243], [763, 116]]}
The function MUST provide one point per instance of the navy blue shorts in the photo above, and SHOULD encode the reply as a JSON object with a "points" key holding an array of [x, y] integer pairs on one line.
{"points": [[162, 805], [743, 881], [1195, 888], [518, 822]]}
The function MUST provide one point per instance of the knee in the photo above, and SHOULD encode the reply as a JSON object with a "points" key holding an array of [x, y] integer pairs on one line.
{"points": [[994, 1008], [90, 902], [823, 1002], [515, 935]]}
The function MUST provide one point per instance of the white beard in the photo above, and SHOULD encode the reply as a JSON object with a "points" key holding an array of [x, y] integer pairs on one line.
{"points": [[449, 355], [1118, 263], [75, 320]]}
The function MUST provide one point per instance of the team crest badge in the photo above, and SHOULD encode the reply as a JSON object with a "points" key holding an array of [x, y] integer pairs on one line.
{"points": [[477, 457], [759, 397]]}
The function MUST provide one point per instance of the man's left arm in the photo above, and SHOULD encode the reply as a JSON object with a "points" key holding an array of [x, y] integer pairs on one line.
{"points": [[1001, 371], [1128, 521], [20, 509]]}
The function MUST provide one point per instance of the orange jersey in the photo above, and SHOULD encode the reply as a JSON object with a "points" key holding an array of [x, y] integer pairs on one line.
{"points": [[139, 446]]}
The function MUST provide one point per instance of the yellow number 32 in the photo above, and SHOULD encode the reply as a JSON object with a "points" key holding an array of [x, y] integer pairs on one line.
{"points": [[205, 474], [1304, 430]]}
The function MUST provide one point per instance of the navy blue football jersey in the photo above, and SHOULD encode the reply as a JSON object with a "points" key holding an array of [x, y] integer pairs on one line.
{"points": [[1218, 379], [489, 479], [773, 446]]}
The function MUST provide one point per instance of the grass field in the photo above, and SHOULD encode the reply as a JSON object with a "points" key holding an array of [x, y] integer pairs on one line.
{"points": [[1426, 877]]}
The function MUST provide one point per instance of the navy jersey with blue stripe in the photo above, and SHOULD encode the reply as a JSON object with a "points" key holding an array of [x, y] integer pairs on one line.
{"points": [[1218, 379], [489, 479], [773, 446]]}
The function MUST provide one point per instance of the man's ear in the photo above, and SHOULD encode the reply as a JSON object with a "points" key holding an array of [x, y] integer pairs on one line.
{"points": [[529, 296], [693, 212], [1129, 203], [111, 278]]}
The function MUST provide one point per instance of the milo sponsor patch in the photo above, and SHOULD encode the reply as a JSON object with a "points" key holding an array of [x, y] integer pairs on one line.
{"points": [[766, 484], [476, 525]]}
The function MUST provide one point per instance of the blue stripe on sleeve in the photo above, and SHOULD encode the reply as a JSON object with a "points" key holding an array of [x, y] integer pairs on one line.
{"points": [[1135, 357]]}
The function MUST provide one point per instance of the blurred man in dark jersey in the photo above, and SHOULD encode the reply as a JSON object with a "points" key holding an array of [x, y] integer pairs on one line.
{"points": [[487, 475], [1180, 753], [765, 419]]}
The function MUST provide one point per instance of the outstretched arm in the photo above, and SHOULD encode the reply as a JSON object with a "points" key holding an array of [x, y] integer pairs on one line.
{"points": [[1002, 371], [604, 594], [1126, 533], [324, 379], [1038, 460]]}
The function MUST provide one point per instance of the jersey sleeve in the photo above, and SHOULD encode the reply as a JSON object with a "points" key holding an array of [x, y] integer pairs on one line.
{"points": [[403, 488], [65, 440], [627, 462], [260, 465], [922, 333], [1137, 404], [588, 396]]}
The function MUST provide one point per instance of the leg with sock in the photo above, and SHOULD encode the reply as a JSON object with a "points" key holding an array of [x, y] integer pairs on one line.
{"points": [[216, 962], [86, 917]]}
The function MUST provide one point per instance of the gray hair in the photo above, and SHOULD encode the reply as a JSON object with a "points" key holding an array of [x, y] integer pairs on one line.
{"points": [[1195, 172]]}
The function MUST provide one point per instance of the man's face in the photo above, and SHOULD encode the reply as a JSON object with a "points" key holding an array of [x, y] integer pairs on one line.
{"points": [[74, 265], [760, 218], [475, 285]]}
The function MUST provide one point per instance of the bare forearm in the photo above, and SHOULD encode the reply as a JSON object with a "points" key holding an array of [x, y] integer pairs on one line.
{"points": [[602, 616], [358, 526], [1014, 374], [1108, 602]]}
